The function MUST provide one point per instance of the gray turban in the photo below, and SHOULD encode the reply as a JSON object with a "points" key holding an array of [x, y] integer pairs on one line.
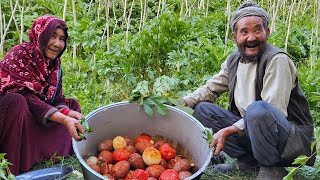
{"points": [[248, 9]]}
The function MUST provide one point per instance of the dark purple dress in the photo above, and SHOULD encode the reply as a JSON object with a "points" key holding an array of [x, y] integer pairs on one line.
{"points": [[30, 92], [24, 139]]}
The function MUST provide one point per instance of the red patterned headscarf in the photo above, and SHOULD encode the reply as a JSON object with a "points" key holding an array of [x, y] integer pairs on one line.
{"points": [[25, 67]]}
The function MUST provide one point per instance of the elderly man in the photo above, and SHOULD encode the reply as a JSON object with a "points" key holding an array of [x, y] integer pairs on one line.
{"points": [[268, 122]]}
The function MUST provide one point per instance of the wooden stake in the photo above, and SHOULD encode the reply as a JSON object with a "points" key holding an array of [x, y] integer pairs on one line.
{"points": [[1, 29], [128, 22], [289, 25], [159, 6], [107, 25], [7, 28], [141, 15], [74, 53], [274, 16], [124, 12], [207, 8], [22, 22], [99, 9], [115, 18], [14, 18], [144, 13], [181, 8], [228, 20], [64, 10]]}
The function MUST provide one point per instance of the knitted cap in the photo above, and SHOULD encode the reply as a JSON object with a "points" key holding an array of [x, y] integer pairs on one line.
{"points": [[248, 9]]}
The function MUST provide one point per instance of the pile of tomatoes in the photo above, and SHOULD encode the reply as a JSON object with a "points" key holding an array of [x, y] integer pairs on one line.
{"points": [[140, 158]]}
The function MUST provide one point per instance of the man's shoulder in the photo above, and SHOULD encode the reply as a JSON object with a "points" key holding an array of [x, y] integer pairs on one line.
{"points": [[233, 56], [272, 49]]}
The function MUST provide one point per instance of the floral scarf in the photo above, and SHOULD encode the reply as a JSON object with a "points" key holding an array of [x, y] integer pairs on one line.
{"points": [[26, 69]]}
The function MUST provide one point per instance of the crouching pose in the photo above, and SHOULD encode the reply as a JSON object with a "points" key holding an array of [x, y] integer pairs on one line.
{"points": [[36, 119], [268, 122]]}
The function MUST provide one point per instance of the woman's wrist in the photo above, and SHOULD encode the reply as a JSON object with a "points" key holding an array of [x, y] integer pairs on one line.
{"points": [[65, 111]]}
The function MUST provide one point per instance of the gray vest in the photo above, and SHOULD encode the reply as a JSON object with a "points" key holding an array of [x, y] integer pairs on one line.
{"points": [[298, 108]]}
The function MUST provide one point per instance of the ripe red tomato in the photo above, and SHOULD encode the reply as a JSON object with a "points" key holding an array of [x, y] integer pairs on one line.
{"points": [[169, 174], [143, 137], [120, 154], [167, 152], [140, 174]]}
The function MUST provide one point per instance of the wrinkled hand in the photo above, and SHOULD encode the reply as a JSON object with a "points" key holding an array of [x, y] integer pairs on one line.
{"points": [[73, 124], [220, 137], [75, 114]]}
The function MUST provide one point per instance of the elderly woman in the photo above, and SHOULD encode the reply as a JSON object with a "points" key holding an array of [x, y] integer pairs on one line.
{"points": [[36, 119]]}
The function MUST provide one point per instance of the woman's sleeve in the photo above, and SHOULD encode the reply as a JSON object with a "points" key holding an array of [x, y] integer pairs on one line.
{"points": [[40, 109]]}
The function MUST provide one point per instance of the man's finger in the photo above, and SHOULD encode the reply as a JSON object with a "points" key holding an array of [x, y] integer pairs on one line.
{"points": [[218, 149]]}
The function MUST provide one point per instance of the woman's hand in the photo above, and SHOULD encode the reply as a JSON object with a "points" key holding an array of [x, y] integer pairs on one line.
{"points": [[73, 125], [71, 121], [75, 114], [220, 137]]}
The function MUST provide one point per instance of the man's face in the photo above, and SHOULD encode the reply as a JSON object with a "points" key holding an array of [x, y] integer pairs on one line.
{"points": [[250, 36]]}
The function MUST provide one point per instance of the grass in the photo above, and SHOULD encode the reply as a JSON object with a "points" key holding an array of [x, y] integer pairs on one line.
{"points": [[310, 173]]}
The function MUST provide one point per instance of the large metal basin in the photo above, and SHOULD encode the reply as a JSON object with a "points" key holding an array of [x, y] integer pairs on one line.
{"points": [[129, 119]]}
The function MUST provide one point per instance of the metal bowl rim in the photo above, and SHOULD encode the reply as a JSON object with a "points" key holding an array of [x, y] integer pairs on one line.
{"points": [[84, 164]]}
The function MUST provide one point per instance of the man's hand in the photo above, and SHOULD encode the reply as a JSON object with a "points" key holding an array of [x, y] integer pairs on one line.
{"points": [[220, 137]]}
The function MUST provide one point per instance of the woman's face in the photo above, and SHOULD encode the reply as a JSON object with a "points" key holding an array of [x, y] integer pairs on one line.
{"points": [[56, 44]]}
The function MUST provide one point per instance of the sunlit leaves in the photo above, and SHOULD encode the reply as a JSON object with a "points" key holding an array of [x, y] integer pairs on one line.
{"points": [[4, 168], [208, 135]]}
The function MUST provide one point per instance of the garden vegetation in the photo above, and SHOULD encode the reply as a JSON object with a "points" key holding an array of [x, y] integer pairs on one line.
{"points": [[163, 48]]}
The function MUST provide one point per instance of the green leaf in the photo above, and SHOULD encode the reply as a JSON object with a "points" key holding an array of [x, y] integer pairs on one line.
{"points": [[161, 109], [175, 102], [86, 127], [312, 146], [11, 177], [292, 172], [148, 109], [208, 135], [3, 174], [82, 136], [302, 159]]}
